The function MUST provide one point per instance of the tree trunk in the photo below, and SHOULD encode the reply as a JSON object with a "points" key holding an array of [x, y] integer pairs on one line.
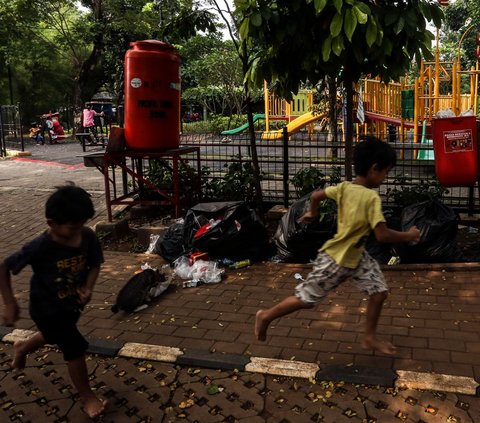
{"points": [[92, 60], [251, 131], [332, 113], [348, 127], [256, 167]]}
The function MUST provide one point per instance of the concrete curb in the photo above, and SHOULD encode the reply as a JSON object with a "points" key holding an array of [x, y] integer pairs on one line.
{"points": [[467, 266], [287, 368]]}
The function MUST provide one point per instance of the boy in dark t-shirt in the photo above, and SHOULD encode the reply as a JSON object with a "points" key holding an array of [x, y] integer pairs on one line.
{"points": [[65, 260]]}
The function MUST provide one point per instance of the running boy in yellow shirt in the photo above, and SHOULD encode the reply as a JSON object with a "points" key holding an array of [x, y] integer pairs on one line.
{"points": [[344, 257]]}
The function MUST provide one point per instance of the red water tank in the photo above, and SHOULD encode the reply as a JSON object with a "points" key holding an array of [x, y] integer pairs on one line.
{"points": [[455, 146], [152, 96]]}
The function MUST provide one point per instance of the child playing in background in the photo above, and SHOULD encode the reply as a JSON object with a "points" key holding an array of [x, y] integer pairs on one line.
{"points": [[344, 257], [35, 134], [65, 260]]}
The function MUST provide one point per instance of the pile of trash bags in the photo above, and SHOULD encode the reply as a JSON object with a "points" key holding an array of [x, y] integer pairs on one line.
{"points": [[438, 224], [232, 230], [220, 230]]}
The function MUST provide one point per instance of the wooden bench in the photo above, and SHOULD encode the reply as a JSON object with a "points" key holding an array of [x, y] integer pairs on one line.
{"points": [[86, 139]]}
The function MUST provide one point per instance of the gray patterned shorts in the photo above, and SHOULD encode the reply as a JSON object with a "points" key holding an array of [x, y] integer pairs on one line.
{"points": [[327, 275]]}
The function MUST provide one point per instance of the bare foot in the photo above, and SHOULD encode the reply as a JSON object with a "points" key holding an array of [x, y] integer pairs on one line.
{"points": [[261, 326], [94, 407], [381, 346], [20, 358]]}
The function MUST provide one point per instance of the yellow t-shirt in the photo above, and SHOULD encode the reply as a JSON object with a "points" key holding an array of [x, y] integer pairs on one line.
{"points": [[359, 210]]}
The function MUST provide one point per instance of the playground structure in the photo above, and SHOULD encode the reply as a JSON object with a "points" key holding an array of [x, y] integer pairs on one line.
{"points": [[297, 113], [403, 109], [408, 106]]}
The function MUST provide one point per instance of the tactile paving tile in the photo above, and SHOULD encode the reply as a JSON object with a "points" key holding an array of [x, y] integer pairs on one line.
{"points": [[141, 391]]}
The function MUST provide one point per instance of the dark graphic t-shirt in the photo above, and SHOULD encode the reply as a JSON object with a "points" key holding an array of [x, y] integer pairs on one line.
{"points": [[58, 271]]}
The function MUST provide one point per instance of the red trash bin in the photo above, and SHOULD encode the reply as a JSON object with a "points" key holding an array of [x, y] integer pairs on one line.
{"points": [[455, 146], [152, 96]]}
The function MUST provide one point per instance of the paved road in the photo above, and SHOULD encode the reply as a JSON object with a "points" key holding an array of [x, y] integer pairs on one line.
{"points": [[431, 315]]}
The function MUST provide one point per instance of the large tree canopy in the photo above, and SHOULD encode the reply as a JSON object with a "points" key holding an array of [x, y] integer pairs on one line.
{"points": [[58, 54], [462, 17], [301, 40]]}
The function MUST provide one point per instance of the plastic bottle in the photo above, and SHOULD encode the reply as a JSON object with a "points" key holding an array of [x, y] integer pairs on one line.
{"points": [[394, 260], [240, 264], [225, 262]]}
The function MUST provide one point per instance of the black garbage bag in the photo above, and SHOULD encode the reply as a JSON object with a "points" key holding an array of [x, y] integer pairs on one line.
{"points": [[438, 225], [381, 251], [171, 245], [299, 242], [226, 230]]}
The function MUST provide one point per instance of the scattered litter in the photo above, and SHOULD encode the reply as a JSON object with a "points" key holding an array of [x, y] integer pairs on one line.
{"points": [[447, 113], [240, 264], [201, 271], [468, 112], [298, 277], [153, 241], [394, 260]]}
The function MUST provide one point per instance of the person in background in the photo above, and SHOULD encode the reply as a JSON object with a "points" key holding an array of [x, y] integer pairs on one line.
{"points": [[34, 133], [89, 121]]}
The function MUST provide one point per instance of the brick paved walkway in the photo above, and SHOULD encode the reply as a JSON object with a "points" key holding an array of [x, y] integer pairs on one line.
{"points": [[431, 314]]}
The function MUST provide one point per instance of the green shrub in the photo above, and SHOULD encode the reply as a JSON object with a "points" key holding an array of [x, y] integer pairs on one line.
{"points": [[216, 124], [237, 184], [308, 179], [160, 173], [423, 190], [311, 178]]}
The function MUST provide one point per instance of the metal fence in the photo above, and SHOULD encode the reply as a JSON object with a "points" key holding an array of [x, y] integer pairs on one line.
{"points": [[280, 160], [10, 129]]}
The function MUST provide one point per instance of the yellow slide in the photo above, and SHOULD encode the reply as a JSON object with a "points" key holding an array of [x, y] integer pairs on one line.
{"points": [[293, 126]]}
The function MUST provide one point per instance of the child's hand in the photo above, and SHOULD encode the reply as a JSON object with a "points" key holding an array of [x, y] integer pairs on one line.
{"points": [[414, 233], [85, 295], [307, 217], [11, 313]]}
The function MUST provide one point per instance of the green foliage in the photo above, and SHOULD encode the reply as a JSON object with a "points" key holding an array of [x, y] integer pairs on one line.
{"points": [[216, 124], [311, 178], [200, 127], [60, 55], [406, 195], [160, 173], [215, 98], [308, 179], [237, 184], [356, 37], [460, 16], [192, 51], [42, 52]]}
